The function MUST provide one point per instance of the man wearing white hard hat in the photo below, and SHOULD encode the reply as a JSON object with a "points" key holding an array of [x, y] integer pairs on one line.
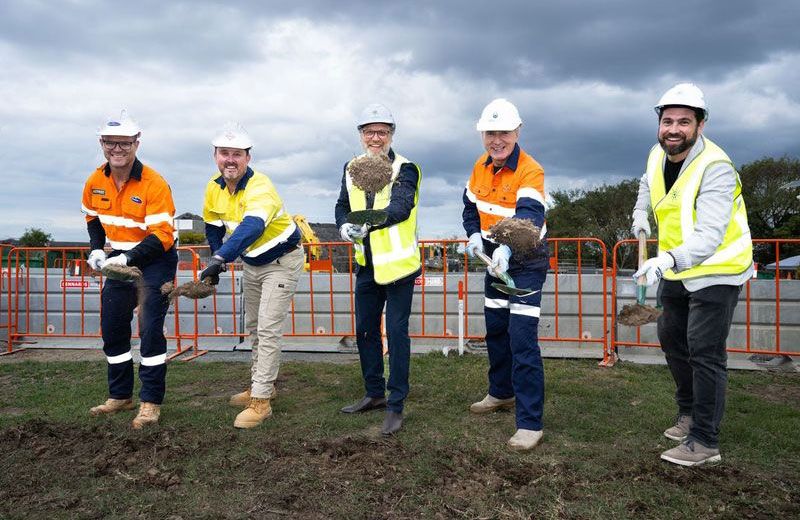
{"points": [[130, 205], [507, 182], [705, 255], [388, 263], [244, 205]]}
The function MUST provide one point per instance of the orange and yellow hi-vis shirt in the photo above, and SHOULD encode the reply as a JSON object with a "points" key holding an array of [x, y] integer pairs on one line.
{"points": [[137, 219]]}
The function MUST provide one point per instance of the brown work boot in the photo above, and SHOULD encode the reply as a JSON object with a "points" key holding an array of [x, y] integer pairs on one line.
{"points": [[112, 406], [148, 414], [256, 412], [240, 400]]}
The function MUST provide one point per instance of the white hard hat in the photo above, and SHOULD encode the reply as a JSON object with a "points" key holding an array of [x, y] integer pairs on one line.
{"points": [[683, 94], [375, 113], [122, 125], [233, 135], [499, 115]]}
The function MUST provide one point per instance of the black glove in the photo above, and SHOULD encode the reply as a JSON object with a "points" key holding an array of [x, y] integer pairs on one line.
{"points": [[211, 273]]}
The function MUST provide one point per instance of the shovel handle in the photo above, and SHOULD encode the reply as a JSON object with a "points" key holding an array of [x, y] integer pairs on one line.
{"points": [[483, 257], [641, 282]]}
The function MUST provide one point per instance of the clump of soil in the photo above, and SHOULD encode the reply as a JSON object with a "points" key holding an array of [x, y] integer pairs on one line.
{"points": [[370, 173], [194, 290], [520, 234], [121, 272], [636, 315]]}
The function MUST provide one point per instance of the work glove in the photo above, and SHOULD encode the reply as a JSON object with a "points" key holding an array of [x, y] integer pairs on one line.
{"points": [[653, 269], [475, 244], [640, 223], [500, 259], [352, 232], [96, 259], [120, 259], [211, 273]]}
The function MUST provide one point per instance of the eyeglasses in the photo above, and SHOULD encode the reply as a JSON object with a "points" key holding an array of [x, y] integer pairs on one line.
{"points": [[369, 134], [125, 146]]}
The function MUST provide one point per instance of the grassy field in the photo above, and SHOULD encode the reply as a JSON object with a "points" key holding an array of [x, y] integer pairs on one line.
{"points": [[599, 458]]}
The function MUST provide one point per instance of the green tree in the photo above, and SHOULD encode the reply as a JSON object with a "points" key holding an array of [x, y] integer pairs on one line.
{"points": [[603, 212], [772, 210], [35, 237], [191, 238]]}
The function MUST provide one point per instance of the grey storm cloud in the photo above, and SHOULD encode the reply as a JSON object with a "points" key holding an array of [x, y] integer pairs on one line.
{"points": [[584, 75]]}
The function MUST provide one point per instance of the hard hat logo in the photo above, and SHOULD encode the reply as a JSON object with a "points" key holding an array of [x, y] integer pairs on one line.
{"points": [[113, 123]]}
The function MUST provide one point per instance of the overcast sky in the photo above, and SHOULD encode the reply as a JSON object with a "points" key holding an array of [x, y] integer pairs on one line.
{"points": [[584, 75]]}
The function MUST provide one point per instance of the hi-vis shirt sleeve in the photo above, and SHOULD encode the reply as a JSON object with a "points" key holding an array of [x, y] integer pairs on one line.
{"points": [[530, 194], [160, 213]]}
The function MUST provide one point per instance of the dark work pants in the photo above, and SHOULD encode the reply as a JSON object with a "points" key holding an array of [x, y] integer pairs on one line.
{"points": [[692, 331], [119, 300], [512, 342], [370, 299]]}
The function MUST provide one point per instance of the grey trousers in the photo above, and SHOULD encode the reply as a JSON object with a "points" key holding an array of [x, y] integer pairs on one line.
{"points": [[268, 291], [692, 331]]}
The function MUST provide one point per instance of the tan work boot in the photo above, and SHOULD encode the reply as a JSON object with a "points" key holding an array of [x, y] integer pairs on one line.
{"points": [[112, 406], [240, 400], [148, 414], [256, 412], [491, 404], [525, 439]]}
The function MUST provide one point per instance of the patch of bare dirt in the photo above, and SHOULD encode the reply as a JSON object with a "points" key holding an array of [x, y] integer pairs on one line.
{"points": [[636, 315]]}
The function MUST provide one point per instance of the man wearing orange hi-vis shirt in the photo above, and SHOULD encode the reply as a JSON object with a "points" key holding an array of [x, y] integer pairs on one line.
{"points": [[130, 205]]}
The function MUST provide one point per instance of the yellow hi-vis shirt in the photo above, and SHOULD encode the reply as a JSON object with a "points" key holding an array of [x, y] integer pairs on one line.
{"points": [[676, 215], [255, 196], [395, 252]]}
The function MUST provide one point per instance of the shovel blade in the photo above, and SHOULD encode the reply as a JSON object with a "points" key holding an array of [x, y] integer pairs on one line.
{"points": [[512, 291], [370, 217]]}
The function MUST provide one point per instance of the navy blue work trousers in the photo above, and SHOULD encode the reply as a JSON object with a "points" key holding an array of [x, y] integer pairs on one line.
{"points": [[370, 299], [119, 299], [512, 341]]}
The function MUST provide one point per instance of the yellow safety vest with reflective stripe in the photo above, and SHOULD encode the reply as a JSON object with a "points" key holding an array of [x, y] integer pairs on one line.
{"points": [[676, 214], [395, 252]]}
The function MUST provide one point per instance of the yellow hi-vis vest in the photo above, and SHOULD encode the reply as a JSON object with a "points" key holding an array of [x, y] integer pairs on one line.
{"points": [[676, 215], [395, 252]]}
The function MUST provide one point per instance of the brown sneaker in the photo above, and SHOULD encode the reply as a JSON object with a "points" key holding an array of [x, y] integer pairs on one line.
{"points": [[691, 453], [148, 414], [256, 412], [240, 400], [681, 429], [491, 404], [112, 406]]}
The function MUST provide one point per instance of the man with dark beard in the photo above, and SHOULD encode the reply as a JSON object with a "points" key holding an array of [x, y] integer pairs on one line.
{"points": [[388, 263], [705, 255]]}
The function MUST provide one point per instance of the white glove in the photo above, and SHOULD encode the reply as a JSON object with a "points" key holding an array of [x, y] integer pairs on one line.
{"points": [[352, 232], [653, 269], [500, 259], [96, 259], [475, 244], [640, 223], [120, 259]]}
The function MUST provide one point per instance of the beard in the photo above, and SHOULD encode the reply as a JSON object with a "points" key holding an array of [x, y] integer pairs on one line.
{"points": [[677, 148]]}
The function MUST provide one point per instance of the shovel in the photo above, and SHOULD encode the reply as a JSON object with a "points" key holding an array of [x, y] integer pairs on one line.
{"points": [[367, 217], [639, 314], [508, 286]]}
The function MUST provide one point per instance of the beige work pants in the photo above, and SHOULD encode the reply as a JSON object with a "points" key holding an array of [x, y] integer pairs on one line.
{"points": [[268, 291]]}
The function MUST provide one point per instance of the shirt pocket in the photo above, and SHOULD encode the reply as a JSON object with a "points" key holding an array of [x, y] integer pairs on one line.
{"points": [[100, 202], [482, 191], [133, 209]]}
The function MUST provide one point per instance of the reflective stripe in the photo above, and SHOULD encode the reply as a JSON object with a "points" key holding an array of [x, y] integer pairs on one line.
{"points": [[471, 196], [525, 310], [121, 358], [231, 224], [260, 213], [531, 193], [157, 217], [543, 231], [731, 251], [485, 234], [495, 209], [88, 211], [122, 246], [395, 254], [274, 242], [120, 221], [153, 361], [495, 303], [217, 223], [687, 204]]}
